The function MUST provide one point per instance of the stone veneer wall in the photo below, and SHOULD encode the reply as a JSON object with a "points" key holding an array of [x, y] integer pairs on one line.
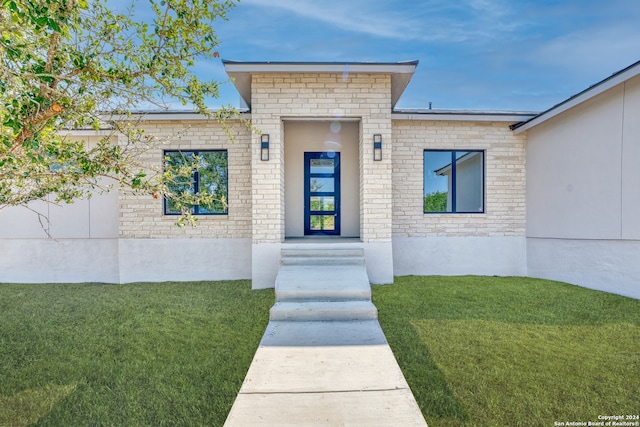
{"points": [[280, 96], [141, 217], [504, 178]]}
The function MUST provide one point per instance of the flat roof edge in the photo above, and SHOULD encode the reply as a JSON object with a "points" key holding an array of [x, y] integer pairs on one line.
{"points": [[178, 115], [154, 115], [321, 67], [453, 115]]}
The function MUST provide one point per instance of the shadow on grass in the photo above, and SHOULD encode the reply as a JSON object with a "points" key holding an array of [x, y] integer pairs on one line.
{"points": [[159, 354], [28, 406], [516, 351], [427, 382]]}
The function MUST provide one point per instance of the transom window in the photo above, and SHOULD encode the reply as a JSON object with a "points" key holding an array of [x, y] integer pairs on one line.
{"points": [[453, 181], [200, 182]]}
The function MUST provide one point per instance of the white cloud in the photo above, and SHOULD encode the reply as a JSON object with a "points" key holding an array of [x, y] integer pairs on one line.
{"points": [[431, 21], [343, 15], [600, 51]]}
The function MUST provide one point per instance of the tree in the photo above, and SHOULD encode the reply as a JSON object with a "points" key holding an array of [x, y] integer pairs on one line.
{"points": [[436, 201], [78, 64]]}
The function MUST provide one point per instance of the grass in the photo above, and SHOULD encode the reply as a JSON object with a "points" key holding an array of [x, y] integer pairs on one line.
{"points": [[512, 351], [137, 354], [476, 351]]}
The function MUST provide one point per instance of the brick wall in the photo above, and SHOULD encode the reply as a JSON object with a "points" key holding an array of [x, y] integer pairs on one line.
{"points": [[142, 216], [504, 178], [391, 190], [281, 96]]}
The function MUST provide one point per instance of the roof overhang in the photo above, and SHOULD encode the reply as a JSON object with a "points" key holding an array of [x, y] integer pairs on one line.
{"points": [[591, 92], [240, 72], [462, 115]]}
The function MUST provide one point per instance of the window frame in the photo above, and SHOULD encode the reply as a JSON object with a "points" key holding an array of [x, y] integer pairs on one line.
{"points": [[453, 152], [195, 209]]}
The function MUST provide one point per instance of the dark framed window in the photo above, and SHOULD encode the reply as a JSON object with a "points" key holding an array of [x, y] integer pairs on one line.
{"points": [[206, 174], [453, 181]]}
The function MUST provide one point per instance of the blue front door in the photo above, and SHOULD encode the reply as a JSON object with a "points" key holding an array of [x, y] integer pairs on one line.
{"points": [[322, 193]]}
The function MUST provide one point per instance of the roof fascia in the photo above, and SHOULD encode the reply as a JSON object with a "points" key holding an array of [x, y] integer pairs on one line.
{"points": [[462, 116], [106, 131], [240, 72], [175, 115], [320, 67], [591, 92]]}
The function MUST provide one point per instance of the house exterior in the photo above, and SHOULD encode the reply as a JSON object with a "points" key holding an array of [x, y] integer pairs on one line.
{"points": [[424, 192]]}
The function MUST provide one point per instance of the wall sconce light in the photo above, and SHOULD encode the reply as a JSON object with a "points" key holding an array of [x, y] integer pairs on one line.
{"points": [[264, 147], [377, 147]]}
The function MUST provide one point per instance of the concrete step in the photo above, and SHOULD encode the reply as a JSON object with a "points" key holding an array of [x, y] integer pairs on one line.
{"points": [[322, 250], [316, 282], [322, 256], [321, 261], [323, 311]]}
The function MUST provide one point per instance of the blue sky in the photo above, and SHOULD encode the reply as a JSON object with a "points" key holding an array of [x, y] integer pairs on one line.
{"points": [[518, 55]]}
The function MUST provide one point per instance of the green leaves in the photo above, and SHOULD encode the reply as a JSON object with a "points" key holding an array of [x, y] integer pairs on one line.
{"points": [[77, 64], [44, 15]]}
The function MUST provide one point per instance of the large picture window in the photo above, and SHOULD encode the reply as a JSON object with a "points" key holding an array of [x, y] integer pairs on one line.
{"points": [[453, 181], [200, 182]]}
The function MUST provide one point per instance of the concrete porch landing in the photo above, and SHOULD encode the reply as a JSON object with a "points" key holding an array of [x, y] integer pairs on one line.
{"points": [[323, 359]]}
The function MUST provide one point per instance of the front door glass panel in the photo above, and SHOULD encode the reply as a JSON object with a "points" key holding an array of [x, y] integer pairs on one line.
{"points": [[325, 223], [322, 166], [322, 185], [323, 203]]}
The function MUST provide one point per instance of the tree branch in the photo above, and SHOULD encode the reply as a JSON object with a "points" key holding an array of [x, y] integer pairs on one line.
{"points": [[28, 130]]}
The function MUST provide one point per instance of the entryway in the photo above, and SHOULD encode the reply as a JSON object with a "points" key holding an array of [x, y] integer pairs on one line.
{"points": [[321, 179]]}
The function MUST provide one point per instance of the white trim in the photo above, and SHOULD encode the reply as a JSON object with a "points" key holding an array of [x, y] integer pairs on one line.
{"points": [[87, 132], [147, 116], [583, 96], [176, 115], [320, 67]]}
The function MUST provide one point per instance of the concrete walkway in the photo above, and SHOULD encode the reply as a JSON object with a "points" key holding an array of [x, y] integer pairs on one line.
{"points": [[323, 359]]}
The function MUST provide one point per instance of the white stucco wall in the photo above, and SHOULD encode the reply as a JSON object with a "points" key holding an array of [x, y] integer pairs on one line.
{"points": [[48, 242], [450, 256], [583, 201], [605, 265], [82, 248], [175, 259], [59, 261], [574, 174], [630, 179], [95, 217]]}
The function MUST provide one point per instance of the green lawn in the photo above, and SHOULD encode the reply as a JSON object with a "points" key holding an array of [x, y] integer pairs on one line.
{"points": [[166, 354], [476, 351], [486, 351]]}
